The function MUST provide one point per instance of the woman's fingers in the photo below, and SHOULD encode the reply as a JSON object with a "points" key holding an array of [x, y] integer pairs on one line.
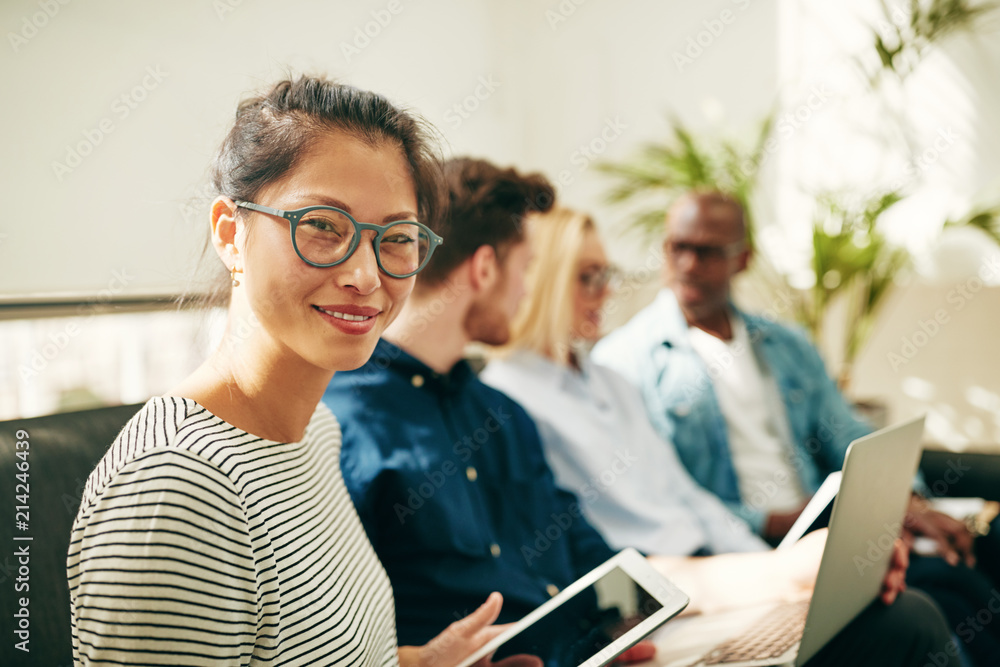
{"points": [[644, 650], [519, 661], [488, 612]]}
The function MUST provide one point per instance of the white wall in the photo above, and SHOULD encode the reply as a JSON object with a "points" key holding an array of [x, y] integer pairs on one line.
{"points": [[936, 352], [127, 218], [934, 349]]}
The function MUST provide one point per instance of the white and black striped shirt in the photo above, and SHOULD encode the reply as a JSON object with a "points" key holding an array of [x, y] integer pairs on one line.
{"points": [[197, 543]]}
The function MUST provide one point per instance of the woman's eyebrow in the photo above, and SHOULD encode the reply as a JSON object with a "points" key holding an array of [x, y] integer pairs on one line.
{"points": [[326, 200], [403, 215]]}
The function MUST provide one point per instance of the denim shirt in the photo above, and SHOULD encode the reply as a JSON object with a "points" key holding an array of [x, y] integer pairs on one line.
{"points": [[654, 352], [453, 490]]}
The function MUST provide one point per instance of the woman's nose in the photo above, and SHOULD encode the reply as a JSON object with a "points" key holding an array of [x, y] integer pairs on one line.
{"points": [[361, 271]]}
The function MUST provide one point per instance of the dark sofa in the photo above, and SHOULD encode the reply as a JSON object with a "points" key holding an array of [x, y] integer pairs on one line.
{"points": [[63, 450]]}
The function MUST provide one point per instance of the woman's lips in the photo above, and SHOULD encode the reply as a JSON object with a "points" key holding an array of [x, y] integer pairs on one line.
{"points": [[354, 320]]}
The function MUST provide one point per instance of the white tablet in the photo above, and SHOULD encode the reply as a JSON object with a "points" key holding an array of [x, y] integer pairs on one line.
{"points": [[595, 619]]}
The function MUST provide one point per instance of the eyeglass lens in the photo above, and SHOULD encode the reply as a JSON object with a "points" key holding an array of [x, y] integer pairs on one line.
{"points": [[704, 253], [595, 280], [324, 237]]}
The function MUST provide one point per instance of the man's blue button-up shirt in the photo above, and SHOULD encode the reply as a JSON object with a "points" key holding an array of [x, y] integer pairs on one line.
{"points": [[452, 487]]}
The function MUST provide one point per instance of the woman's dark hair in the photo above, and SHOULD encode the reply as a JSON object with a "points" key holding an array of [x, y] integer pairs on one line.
{"points": [[274, 131], [486, 206]]}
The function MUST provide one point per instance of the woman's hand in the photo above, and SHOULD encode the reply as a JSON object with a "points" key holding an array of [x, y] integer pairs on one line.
{"points": [[641, 652], [799, 565], [462, 638]]}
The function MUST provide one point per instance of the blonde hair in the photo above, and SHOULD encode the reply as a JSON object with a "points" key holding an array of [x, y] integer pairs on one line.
{"points": [[544, 320]]}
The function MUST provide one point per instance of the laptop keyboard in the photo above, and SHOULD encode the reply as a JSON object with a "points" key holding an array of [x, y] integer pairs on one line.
{"points": [[771, 636]]}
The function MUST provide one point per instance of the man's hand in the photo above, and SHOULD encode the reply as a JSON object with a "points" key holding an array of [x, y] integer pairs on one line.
{"points": [[895, 579], [463, 638], [778, 524], [953, 538]]}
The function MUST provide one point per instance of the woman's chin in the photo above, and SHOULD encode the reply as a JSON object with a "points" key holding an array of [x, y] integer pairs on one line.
{"points": [[346, 357], [350, 362]]}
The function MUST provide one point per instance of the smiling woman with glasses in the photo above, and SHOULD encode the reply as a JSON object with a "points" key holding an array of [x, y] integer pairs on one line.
{"points": [[326, 236], [217, 529]]}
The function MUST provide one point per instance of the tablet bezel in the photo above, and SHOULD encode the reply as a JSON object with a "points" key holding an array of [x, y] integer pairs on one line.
{"points": [[637, 568], [824, 495]]}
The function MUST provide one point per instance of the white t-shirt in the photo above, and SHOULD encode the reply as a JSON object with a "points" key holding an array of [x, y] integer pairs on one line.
{"points": [[759, 439], [198, 543]]}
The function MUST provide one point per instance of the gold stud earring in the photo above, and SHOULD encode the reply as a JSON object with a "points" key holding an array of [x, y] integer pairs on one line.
{"points": [[232, 275]]}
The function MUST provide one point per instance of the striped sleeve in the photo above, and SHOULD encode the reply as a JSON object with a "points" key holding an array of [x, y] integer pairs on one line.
{"points": [[161, 568]]}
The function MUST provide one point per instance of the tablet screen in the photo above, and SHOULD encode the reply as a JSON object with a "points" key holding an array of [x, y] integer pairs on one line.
{"points": [[586, 623]]}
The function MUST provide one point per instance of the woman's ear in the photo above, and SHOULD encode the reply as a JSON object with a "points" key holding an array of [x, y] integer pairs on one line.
{"points": [[484, 269], [224, 232]]}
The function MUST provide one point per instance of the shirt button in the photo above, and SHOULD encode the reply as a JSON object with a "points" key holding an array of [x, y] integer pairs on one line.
{"points": [[417, 380], [682, 410], [495, 550], [796, 395], [552, 590], [471, 473]]}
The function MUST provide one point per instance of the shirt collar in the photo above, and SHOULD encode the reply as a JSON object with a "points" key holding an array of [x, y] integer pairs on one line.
{"points": [[396, 360], [672, 328]]}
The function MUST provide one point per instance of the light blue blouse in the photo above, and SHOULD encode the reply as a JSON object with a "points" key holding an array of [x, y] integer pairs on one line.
{"points": [[601, 446]]}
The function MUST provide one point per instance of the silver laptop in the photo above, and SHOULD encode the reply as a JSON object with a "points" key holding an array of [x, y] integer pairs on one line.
{"points": [[867, 517]]}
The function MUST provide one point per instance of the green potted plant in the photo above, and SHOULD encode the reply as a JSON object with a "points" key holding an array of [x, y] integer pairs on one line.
{"points": [[853, 263]]}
